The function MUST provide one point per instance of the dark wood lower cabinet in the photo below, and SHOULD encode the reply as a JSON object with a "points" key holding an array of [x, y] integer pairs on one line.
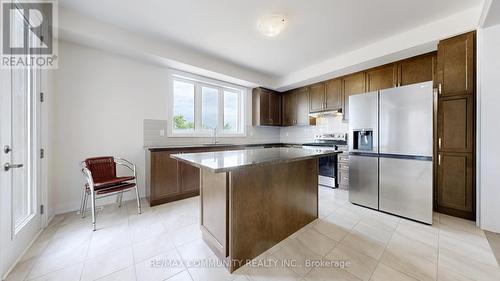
{"points": [[455, 184], [189, 177], [164, 183], [169, 180]]}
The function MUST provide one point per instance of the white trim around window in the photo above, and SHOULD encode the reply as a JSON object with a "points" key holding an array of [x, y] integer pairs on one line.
{"points": [[233, 126]]}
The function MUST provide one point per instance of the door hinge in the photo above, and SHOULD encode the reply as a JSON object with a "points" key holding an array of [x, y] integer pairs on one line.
{"points": [[41, 97], [42, 153], [42, 209]]}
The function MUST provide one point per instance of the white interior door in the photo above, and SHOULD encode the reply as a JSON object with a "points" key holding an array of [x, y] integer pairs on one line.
{"points": [[20, 219]]}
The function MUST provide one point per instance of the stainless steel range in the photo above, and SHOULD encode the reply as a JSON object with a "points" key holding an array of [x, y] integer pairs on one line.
{"points": [[328, 175]]}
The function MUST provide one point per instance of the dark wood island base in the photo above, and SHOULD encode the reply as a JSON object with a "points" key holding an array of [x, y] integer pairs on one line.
{"points": [[245, 212]]}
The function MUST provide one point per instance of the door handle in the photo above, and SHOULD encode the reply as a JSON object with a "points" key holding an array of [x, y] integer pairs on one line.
{"points": [[439, 143], [439, 159], [7, 166]]}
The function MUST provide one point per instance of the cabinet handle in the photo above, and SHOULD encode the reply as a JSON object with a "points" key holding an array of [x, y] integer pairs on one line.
{"points": [[439, 143], [440, 88], [439, 159]]}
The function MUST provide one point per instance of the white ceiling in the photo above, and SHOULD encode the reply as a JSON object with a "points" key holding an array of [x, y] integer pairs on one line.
{"points": [[226, 29]]}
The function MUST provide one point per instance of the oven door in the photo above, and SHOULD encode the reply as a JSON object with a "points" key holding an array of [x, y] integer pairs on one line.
{"points": [[328, 171]]}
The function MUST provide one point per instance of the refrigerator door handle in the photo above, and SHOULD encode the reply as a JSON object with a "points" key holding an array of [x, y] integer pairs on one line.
{"points": [[406, 157]]}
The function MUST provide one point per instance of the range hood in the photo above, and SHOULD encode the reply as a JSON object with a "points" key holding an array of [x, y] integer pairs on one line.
{"points": [[326, 113]]}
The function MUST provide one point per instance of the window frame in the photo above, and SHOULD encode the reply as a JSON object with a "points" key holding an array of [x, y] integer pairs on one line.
{"points": [[221, 86]]}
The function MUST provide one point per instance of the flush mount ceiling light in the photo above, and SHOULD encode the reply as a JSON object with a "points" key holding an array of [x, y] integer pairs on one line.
{"points": [[271, 25]]}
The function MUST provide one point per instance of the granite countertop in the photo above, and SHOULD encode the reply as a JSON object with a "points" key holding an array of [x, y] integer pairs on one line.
{"points": [[225, 161], [181, 146]]}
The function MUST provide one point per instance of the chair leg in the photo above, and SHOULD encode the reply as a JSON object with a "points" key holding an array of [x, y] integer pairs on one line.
{"points": [[83, 201], [138, 199], [120, 198], [84, 207], [92, 198]]}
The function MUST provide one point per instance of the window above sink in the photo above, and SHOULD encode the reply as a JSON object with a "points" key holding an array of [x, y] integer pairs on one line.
{"points": [[200, 107]]}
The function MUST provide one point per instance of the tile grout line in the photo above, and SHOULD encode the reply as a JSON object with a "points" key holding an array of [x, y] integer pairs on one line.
{"points": [[383, 252], [179, 253]]}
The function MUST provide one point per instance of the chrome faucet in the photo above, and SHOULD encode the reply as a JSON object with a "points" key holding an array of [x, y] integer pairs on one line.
{"points": [[215, 136]]}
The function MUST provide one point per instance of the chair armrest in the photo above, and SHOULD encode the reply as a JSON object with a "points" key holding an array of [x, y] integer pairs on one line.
{"points": [[88, 176], [126, 163]]}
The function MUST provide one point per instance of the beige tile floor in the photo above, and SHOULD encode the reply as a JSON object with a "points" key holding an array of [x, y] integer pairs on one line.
{"points": [[350, 243]]}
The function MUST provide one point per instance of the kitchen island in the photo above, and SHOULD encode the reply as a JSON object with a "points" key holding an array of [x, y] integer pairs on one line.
{"points": [[252, 199]]}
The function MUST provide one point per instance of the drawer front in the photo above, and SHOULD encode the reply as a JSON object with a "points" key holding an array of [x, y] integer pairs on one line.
{"points": [[343, 177], [344, 158], [343, 166]]}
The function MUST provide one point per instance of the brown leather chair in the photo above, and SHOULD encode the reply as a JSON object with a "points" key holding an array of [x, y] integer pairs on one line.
{"points": [[102, 181]]}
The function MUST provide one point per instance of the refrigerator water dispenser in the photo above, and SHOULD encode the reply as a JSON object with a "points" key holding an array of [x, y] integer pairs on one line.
{"points": [[363, 140]]}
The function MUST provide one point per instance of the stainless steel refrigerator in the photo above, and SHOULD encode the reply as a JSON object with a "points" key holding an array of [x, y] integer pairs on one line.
{"points": [[390, 150]]}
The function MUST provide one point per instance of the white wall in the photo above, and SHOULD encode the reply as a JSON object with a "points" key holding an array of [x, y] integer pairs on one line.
{"points": [[98, 107], [99, 103], [489, 130]]}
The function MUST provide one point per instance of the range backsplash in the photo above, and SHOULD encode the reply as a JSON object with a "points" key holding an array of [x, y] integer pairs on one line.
{"points": [[304, 134]]}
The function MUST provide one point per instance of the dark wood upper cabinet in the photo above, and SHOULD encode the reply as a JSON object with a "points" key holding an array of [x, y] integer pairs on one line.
{"points": [[455, 184], [302, 105], [289, 110], [456, 124], [296, 107], [352, 85], [275, 109], [456, 71], [266, 107], [417, 69], [317, 98], [334, 94], [381, 77]]}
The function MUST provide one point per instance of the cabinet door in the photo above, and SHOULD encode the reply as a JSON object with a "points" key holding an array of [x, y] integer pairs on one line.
{"points": [[334, 94], [455, 191], [275, 109], [381, 78], [352, 85], [302, 106], [456, 124], [265, 99], [189, 177], [417, 70], [456, 65], [289, 101], [317, 97], [163, 175]]}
